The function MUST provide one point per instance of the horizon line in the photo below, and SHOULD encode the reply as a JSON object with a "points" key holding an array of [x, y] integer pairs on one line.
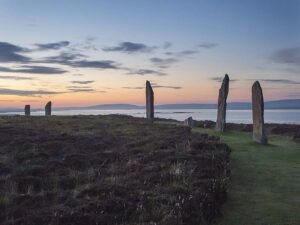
{"points": [[143, 105]]}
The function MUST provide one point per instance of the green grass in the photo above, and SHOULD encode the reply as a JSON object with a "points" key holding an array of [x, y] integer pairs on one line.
{"points": [[265, 181]]}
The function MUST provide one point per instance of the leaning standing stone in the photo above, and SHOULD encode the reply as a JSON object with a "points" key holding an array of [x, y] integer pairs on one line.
{"points": [[258, 114], [223, 93], [27, 110], [149, 101], [48, 109]]}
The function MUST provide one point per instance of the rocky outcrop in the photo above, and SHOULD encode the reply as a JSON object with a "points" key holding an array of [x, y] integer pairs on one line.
{"points": [[259, 134], [223, 93], [149, 101]]}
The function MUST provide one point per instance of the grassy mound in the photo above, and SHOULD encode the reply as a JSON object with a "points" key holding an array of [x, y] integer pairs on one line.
{"points": [[85, 170]]}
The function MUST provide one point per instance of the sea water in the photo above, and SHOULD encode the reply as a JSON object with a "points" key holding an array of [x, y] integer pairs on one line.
{"points": [[235, 116]]}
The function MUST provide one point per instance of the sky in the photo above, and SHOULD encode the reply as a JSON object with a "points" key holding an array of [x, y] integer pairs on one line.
{"points": [[87, 52]]}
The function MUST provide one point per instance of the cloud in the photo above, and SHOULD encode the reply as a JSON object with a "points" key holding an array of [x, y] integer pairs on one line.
{"points": [[78, 75], [11, 53], [167, 45], [83, 81], [29, 100], [76, 86], [7, 100], [34, 69], [88, 44], [280, 81], [129, 47], [155, 86], [287, 56], [169, 87], [182, 54], [63, 58], [134, 88], [77, 89], [169, 53], [102, 64], [207, 45], [163, 62], [292, 70], [16, 78], [143, 72], [187, 52], [294, 95], [79, 60], [5, 91], [80, 89], [53, 46], [220, 79]]}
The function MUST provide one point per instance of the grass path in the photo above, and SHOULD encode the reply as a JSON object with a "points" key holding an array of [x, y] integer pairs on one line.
{"points": [[265, 184]]}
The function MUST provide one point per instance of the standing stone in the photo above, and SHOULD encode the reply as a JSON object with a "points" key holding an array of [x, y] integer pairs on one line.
{"points": [[48, 109], [223, 93], [27, 110], [149, 101], [258, 114], [189, 122]]}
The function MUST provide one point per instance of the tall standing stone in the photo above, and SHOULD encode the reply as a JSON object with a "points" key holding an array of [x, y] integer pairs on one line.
{"points": [[27, 110], [149, 101], [259, 134], [48, 109], [223, 93]]}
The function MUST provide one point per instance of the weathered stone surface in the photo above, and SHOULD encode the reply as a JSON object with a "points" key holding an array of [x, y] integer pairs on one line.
{"points": [[48, 109], [189, 122], [223, 93], [259, 134], [149, 101], [27, 110]]}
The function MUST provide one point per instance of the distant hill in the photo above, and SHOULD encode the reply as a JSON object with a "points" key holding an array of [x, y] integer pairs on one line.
{"points": [[283, 104], [186, 106], [278, 104]]}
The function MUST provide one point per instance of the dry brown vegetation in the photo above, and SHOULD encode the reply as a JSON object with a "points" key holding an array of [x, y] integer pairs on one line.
{"points": [[83, 170]]}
